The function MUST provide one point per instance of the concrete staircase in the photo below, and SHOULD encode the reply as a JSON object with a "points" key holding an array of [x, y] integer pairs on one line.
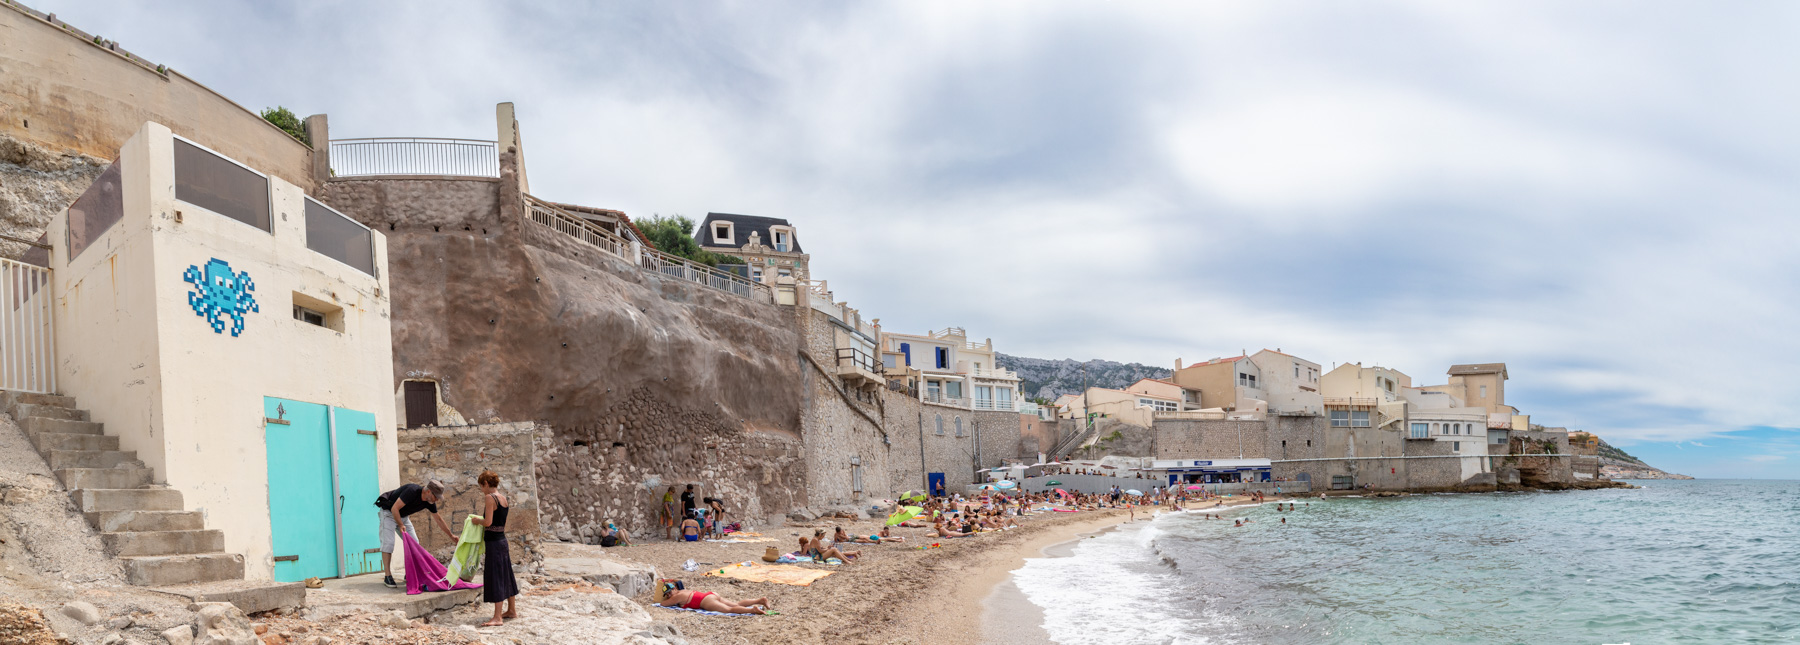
{"points": [[141, 524]]}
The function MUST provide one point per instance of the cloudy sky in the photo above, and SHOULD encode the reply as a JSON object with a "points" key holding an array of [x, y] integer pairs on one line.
{"points": [[1600, 194]]}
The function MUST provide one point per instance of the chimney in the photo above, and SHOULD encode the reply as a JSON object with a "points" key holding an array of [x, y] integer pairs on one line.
{"points": [[1177, 364]]}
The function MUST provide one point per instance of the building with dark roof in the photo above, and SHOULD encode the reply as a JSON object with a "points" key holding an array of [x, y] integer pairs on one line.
{"points": [[769, 246]]}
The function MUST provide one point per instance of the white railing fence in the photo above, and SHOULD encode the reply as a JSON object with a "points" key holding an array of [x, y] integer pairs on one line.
{"points": [[414, 156], [27, 337], [547, 214]]}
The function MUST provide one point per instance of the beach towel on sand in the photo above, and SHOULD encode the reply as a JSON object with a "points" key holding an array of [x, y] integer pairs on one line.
{"points": [[703, 611], [423, 573], [469, 549], [795, 576]]}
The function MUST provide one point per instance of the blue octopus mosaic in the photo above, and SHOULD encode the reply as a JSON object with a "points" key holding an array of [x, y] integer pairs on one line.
{"points": [[220, 293]]}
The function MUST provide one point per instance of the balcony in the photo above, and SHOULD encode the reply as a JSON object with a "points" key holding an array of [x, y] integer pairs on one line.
{"points": [[997, 405], [1347, 402], [939, 398], [858, 368], [999, 373]]}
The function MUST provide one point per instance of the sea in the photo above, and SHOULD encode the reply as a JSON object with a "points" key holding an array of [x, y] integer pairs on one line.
{"points": [[1675, 561]]}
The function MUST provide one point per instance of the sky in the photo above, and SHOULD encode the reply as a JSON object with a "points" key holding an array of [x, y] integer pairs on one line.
{"points": [[1601, 194]]}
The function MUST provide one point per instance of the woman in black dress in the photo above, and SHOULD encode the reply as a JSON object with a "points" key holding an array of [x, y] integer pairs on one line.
{"points": [[497, 583]]}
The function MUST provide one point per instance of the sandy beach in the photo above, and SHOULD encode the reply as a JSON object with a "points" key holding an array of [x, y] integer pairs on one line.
{"points": [[960, 591]]}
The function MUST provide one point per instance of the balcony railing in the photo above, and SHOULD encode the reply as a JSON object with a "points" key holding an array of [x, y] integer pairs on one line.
{"points": [[1000, 405], [414, 156], [1000, 373], [854, 357], [1348, 402], [940, 399], [567, 223]]}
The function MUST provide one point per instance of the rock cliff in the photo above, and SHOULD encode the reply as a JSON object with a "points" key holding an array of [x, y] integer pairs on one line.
{"points": [[36, 184], [1047, 378]]}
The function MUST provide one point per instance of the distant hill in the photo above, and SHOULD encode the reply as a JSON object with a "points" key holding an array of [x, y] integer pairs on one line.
{"points": [[1618, 464], [1051, 378]]}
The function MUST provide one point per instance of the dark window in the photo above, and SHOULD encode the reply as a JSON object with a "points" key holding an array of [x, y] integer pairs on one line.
{"points": [[216, 184], [943, 357], [421, 404], [96, 210], [308, 316], [339, 238]]}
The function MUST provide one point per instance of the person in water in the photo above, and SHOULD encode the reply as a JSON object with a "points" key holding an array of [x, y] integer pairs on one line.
{"points": [[672, 593]]}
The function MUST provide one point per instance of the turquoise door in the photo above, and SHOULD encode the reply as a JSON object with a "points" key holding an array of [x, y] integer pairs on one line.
{"points": [[358, 486], [303, 532]]}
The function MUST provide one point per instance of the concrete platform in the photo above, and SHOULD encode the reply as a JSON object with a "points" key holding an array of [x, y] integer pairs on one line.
{"points": [[250, 597], [366, 591]]}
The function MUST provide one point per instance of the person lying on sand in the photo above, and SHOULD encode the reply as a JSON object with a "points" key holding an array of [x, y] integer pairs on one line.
{"points": [[820, 551], [945, 532], [672, 593]]}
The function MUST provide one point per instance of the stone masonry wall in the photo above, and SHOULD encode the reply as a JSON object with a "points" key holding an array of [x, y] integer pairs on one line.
{"points": [[1211, 438], [455, 456], [841, 427], [618, 465], [911, 423]]}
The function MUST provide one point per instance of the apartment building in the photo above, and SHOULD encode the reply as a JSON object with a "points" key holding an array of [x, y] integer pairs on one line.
{"points": [[1290, 384], [768, 245], [1227, 384], [944, 367]]}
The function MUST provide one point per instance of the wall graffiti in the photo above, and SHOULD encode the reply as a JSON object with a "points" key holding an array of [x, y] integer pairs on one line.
{"points": [[220, 293]]}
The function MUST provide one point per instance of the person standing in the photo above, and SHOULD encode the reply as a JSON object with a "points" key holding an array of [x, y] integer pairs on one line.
{"points": [[497, 582], [668, 513], [395, 506], [716, 508], [687, 502]]}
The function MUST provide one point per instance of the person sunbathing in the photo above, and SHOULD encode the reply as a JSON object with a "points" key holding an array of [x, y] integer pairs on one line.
{"points": [[672, 593], [945, 532], [840, 537], [820, 551]]}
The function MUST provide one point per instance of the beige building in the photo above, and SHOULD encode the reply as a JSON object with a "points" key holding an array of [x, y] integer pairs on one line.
{"points": [[767, 244], [1137, 408], [1290, 384], [1227, 384], [946, 369], [1478, 385], [1364, 397]]}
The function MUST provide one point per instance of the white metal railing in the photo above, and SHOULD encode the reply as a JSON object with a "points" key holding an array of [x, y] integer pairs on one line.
{"points": [[1000, 373], [999, 405], [649, 259], [414, 156], [27, 335], [940, 399]]}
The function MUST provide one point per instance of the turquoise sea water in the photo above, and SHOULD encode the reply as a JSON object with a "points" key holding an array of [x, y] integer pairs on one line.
{"points": [[1710, 561]]}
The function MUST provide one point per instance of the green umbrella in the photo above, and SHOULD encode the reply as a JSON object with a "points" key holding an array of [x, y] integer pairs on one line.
{"points": [[905, 513], [1052, 483], [911, 495]]}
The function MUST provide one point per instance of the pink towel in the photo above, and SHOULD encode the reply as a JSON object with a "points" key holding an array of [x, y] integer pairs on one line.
{"points": [[423, 572]]}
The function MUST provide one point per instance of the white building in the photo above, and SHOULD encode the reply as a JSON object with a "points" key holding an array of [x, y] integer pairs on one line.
{"points": [[234, 333], [947, 369]]}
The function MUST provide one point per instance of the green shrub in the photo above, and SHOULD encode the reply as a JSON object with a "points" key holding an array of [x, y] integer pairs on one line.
{"points": [[283, 118]]}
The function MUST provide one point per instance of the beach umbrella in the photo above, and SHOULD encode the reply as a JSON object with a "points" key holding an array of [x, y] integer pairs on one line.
{"points": [[911, 495], [1006, 483], [1195, 487], [905, 513], [1052, 483], [1134, 491], [1062, 492]]}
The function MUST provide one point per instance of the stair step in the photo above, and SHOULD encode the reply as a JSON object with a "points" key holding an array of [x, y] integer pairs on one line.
{"points": [[23, 410], [60, 459], [40, 425], [165, 570], [10, 399], [49, 441], [93, 500], [163, 542], [122, 521], [74, 478]]}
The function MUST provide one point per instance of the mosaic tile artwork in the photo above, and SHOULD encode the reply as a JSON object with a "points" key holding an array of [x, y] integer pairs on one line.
{"points": [[220, 293]]}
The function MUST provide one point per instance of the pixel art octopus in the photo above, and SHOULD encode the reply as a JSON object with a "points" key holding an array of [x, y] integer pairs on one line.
{"points": [[219, 293]]}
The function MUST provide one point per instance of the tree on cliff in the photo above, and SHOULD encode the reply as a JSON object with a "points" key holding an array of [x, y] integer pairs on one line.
{"points": [[674, 235]]}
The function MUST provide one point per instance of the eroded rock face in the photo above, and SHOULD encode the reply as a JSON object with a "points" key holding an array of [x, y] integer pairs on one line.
{"points": [[35, 185], [642, 378]]}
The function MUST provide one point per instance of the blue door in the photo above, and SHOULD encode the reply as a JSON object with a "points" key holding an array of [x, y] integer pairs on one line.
{"points": [[303, 532], [358, 486], [934, 483]]}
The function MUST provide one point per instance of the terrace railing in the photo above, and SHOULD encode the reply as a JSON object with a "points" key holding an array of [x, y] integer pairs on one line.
{"points": [[27, 335], [414, 156], [561, 221]]}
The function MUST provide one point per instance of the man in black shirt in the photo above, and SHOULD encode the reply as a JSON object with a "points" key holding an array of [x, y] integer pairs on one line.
{"points": [[687, 502], [395, 505]]}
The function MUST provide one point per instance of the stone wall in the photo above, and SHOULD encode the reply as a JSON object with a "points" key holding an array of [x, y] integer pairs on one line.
{"points": [[1037, 436], [1541, 471], [1298, 437], [844, 438], [455, 456], [1211, 438], [642, 379], [617, 466], [67, 92], [911, 424]]}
